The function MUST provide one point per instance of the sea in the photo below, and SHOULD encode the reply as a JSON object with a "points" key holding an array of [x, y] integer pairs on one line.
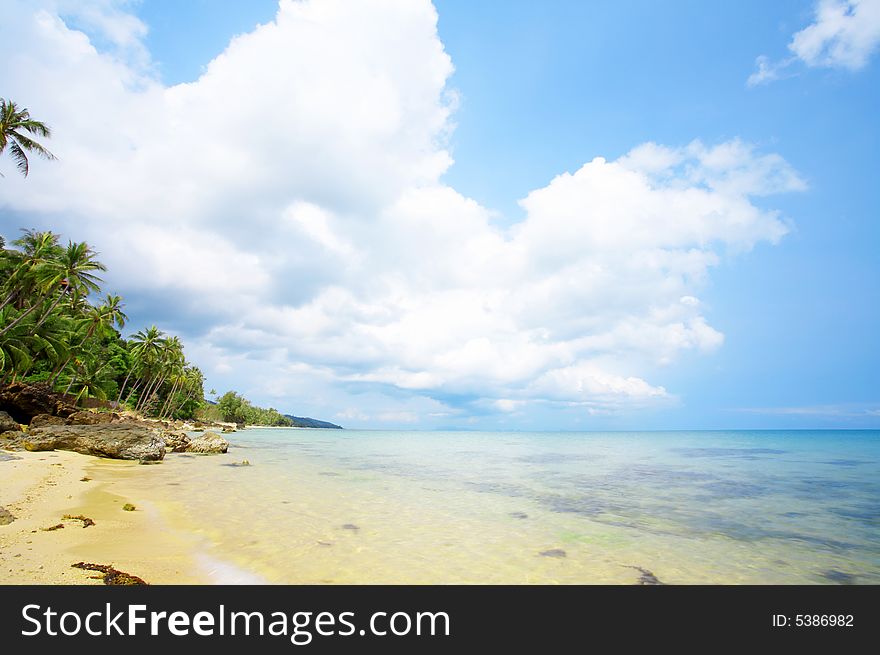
{"points": [[313, 506]]}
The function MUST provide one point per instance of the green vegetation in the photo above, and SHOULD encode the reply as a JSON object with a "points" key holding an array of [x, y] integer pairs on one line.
{"points": [[234, 408], [52, 332], [14, 122]]}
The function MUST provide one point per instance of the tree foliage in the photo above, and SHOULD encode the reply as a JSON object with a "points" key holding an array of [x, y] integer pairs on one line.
{"points": [[234, 408], [55, 329]]}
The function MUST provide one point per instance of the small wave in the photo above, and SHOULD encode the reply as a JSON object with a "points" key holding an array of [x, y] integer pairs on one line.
{"points": [[221, 572]]}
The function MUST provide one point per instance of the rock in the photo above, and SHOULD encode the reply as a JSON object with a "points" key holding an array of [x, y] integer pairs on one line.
{"points": [[92, 418], [225, 430], [8, 424], [209, 443], [646, 577], [116, 440], [24, 401], [176, 442], [350, 526], [9, 434], [5, 516], [42, 420], [553, 552]]}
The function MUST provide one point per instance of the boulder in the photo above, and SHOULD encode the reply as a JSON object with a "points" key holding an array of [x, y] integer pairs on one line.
{"points": [[92, 418], [8, 423], [176, 441], [24, 401], [116, 440], [209, 443], [42, 420]]}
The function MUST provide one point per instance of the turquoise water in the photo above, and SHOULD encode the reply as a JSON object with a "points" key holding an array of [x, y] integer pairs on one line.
{"points": [[522, 507]]}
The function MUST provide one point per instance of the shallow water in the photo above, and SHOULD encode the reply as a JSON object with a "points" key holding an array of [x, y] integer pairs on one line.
{"points": [[331, 506]]}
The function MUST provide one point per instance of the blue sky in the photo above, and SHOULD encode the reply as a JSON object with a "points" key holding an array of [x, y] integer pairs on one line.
{"points": [[777, 330]]}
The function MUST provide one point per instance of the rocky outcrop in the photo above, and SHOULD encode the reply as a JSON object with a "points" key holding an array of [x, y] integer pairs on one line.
{"points": [[92, 418], [115, 440], [176, 441], [43, 420], [8, 423], [24, 401], [209, 443]]}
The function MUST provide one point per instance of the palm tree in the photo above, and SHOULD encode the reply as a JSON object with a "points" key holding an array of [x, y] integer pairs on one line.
{"points": [[70, 273], [100, 320], [37, 247], [145, 354], [13, 123], [171, 360]]}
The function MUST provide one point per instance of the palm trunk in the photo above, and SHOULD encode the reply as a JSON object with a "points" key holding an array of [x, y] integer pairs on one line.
{"points": [[184, 401], [20, 318], [72, 380], [147, 397], [51, 309], [125, 382], [169, 398], [133, 389]]}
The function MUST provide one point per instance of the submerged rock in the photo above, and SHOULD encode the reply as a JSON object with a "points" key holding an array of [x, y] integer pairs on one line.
{"points": [[115, 440], [646, 577], [553, 552], [209, 443]]}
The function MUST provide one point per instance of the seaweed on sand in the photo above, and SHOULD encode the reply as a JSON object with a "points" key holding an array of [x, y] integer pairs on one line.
{"points": [[86, 521], [110, 575]]}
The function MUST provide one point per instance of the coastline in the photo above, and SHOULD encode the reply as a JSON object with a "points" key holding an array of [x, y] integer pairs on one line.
{"points": [[40, 488]]}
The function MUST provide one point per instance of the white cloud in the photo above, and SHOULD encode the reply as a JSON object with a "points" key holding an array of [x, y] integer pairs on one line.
{"points": [[289, 203], [844, 34]]}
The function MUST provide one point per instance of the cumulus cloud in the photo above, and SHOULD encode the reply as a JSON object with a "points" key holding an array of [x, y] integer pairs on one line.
{"points": [[290, 204], [844, 34]]}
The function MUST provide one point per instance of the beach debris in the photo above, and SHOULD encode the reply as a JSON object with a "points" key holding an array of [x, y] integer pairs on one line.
{"points": [[128, 507], [110, 576], [86, 521], [329, 474], [646, 577], [350, 526], [519, 515], [325, 543], [54, 527], [85, 479], [553, 552], [6, 516]]}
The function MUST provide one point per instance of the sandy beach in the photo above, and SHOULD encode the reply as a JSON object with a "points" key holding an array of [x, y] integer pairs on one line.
{"points": [[38, 489]]}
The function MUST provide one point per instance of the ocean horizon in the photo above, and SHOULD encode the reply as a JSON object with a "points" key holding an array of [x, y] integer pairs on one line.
{"points": [[516, 507]]}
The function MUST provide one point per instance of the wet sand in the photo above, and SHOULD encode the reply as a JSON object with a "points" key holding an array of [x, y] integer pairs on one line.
{"points": [[39, 489]]}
